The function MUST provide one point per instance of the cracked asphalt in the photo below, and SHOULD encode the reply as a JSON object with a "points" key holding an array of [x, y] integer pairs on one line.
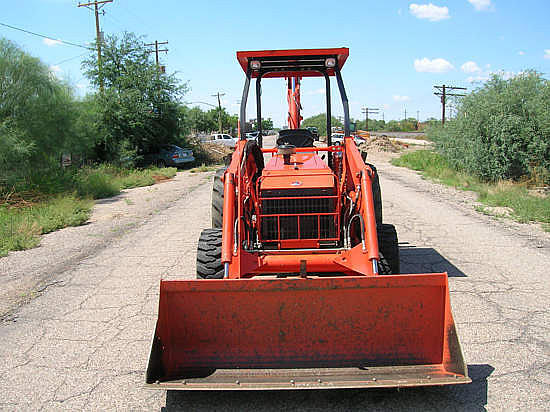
{"points": [[79, 311]]}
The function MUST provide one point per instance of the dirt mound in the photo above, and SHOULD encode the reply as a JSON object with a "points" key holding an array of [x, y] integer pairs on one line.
{"points": [[381, 144]]}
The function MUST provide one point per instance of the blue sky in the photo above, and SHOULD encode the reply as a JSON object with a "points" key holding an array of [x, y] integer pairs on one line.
{"points": [[398, 49]]}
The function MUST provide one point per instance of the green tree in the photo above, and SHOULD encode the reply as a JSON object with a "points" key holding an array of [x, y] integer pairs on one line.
{"points": [[320, 122], [36, 111], [138, 110], [267, 124], [502, 129]]}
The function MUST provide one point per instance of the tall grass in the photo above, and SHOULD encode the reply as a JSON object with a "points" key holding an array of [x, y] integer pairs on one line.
{"points": [[515, 196], [20, 228], [49, 200], [95, 183]]}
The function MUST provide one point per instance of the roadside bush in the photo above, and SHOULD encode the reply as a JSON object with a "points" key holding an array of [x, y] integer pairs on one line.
{"points": [[502, 130], [96, 183]]}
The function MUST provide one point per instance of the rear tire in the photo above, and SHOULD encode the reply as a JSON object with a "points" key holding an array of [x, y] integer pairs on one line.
{"points": [[388, 245], [217, 199], [209, 255]]}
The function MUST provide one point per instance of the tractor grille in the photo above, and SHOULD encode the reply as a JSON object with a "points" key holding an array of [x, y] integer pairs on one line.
{"points": [[311, 218]]}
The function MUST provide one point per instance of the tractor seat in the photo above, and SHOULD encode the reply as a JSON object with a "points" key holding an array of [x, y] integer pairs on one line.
{"points": [[295, 137]]}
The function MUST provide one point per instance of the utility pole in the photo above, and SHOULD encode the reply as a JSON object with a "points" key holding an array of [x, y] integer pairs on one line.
{"points": [[220, 109], [157, 51], [368, 111], [442, 92], [418, 115], [98, 5], [405, 113]]}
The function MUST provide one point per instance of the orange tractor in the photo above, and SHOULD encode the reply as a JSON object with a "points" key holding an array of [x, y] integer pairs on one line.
{"points": [[298, 280]]}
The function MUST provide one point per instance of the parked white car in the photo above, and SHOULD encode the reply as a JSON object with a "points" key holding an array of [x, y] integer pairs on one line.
{"points": [[339, 138], [223, 139]]}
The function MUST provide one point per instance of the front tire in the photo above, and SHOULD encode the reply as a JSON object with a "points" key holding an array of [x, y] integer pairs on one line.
{"points": [[209, 255], [376, 196], [388, 246], [217, 199]]}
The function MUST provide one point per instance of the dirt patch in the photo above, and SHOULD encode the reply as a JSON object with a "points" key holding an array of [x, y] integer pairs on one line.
{"points": [[542, 192], [19, 200], [382, 144], [161, 179]]}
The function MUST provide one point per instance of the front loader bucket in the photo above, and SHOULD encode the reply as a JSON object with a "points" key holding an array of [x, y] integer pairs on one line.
{"points": [[314, 333]]}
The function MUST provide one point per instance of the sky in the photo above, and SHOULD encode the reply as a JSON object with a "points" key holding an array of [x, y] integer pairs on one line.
{"points": [[398, 49]]}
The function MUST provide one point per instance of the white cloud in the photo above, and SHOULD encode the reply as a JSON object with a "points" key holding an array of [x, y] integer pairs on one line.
{"points": [[50, 42], [398, 98], [547, 54], [521, 52], [432, 66], [481, 5], [399, 12], [429, 11], [470, 67], [56, 71]]}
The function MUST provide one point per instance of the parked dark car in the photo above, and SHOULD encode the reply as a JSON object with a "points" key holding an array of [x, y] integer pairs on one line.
{"points": [[170, 155]]}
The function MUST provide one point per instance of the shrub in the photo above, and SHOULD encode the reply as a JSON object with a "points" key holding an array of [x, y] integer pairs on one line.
{"points": [[96, 183], [502, 130]]}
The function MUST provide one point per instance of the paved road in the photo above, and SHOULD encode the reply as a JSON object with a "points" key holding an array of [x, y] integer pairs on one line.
{"points": [[82, 343]]}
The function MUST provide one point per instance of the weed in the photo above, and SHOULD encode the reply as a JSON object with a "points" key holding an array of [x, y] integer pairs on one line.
{"points": [[96, 183], [21, 228], [204, 168], [504, 194], [49, 200]]}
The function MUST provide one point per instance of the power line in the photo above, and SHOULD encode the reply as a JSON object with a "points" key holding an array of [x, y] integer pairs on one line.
{"points": [[68, 43], [69, 59]]}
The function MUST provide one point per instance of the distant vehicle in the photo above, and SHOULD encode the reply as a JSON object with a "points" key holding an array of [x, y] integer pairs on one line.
{"points": [[170, 155], [339, 138], [223, 139], [252, 135], [314, 132]]}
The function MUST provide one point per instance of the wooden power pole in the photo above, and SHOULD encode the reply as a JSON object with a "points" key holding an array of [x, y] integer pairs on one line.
{"points": [[442, 93], [98, 5], [368, 111], [157, 51], [220, 111]]}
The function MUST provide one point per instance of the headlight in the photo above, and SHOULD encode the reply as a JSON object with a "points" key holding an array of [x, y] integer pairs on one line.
{"points": [[330, 62], [255, 65]]}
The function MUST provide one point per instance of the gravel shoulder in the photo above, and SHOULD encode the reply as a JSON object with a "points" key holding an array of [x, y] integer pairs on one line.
{"points": [[83, 341]]}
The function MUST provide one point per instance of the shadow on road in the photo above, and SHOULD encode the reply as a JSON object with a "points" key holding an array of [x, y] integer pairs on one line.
{"points": [[425, 260], [472, 397], [108, 200]]}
